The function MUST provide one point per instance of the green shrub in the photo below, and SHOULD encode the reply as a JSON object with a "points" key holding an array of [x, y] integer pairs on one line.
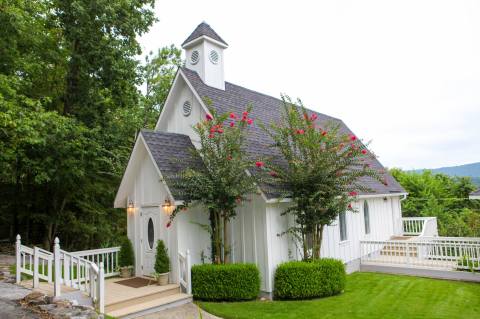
{"points": [[126, 256], [162, 262], [225, 282], [305, 280]]}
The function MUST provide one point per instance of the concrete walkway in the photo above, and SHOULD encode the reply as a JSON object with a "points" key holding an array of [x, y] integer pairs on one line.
{"points": [[9, 308], [188, 311]]}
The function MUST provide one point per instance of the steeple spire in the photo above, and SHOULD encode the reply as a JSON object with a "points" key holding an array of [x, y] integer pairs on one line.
{"points": [[203, 30]]}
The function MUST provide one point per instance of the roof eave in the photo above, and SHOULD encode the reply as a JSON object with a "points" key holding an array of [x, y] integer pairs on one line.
{"points": [[367, 196], [204, 37]]}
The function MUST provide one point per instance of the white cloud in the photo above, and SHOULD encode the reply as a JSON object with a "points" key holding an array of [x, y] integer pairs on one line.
{"points": [[405, 74]]}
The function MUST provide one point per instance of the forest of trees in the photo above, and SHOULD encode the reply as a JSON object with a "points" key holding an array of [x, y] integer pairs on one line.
{"points": [[70, 107], [444, 197], [74, 91]]}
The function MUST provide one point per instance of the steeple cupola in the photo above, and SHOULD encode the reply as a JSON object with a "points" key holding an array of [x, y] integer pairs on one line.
{"points": [[204, 52]]}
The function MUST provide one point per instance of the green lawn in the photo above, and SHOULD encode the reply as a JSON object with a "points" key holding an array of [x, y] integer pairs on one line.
{"points": [[371, 296]]}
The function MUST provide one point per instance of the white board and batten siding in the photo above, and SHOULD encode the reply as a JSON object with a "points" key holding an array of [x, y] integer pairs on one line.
{"points": [[173, 119], [385, 217], [148, 194], [248, 236]]}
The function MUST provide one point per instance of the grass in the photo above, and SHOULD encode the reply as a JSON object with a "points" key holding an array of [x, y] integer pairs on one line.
{"points": [[369, 295]]}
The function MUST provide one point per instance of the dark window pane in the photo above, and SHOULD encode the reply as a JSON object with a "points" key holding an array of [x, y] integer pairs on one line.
{"points": [[343, 226], [151, 233], [366, 217]]}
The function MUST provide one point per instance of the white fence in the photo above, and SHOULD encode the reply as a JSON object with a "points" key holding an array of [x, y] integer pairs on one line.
{"points": [[82, 270], [108, 256], [35, 262], [448, 253], [184, 271], [420, 226]]}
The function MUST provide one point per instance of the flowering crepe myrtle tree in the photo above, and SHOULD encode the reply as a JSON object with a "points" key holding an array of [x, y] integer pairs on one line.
{"points": [[321, 171], [222, 183]]}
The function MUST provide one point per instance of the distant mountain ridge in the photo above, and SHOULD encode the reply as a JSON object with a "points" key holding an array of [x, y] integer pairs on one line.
{"points": [[472, 170]]}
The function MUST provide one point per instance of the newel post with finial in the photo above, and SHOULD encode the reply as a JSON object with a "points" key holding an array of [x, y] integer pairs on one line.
{"points": [[18, 244], [58, 270]]}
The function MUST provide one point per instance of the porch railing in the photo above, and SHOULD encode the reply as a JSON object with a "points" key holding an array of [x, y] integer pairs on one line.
{"points": [[184, 271], [35, 262], [420, 226], [63, 268], [109, 257], [431, 252]]}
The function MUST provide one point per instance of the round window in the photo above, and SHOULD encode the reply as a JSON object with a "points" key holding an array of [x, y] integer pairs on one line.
{"points": [[187, 108], [151, 233], [214, 57], [195, 57]]}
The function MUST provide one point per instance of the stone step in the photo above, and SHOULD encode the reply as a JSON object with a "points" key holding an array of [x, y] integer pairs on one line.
{"points": [[171, 289], [141, 308]]}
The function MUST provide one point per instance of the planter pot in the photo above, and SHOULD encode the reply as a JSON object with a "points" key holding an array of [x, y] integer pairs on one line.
{"points": [[162, 279], [126, 272]]}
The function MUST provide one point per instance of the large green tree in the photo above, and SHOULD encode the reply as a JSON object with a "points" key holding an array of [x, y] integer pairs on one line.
{"points": [[70, 104], [221, 183], [444, 197], [320, 172]]}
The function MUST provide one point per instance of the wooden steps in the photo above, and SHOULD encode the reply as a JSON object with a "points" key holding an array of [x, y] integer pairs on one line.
{"points": [[126, 302], [399, 250], [141, 307]]}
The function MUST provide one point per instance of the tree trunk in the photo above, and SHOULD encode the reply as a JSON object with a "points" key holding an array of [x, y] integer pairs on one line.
{"points": [[217, 240], [305, 244], [72, 82], [318, 241], [226, 245]]}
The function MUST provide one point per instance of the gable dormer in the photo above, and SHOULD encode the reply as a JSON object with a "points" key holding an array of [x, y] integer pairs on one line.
{"points": [[204, 54]]}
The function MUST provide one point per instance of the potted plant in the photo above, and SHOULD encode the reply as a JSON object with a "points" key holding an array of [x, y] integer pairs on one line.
{"points": [[126, 259], [162, 264]]}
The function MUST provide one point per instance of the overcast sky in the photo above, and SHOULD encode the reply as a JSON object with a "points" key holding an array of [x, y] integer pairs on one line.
{"points": [[404, 74]]}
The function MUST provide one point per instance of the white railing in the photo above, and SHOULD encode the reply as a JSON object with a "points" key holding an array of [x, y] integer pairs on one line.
{"points": [[109, 257], [84, 275], [62, 267], [34, 262], [429, 252], [420, 226], [184, 271]]}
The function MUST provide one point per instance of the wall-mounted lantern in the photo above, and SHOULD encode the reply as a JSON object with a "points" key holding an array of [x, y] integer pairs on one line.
{"points": [[130, 207], [168, 207]]}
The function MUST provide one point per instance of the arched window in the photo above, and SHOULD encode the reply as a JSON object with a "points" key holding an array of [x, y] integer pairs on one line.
{"points": [[366, 217]]}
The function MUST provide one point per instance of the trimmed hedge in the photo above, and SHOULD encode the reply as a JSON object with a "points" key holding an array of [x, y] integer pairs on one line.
{"points": [[228, 282], [306, 280]]}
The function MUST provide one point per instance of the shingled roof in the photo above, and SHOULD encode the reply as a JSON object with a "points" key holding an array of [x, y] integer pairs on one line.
{"points": [[172, 153], [475, 193], [268, 109], [203, 29]]}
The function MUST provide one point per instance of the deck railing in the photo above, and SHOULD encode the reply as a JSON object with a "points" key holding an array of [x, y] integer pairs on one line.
{"points": [[184, 271], [109, 257], [448, 253], [35, 262], [65, 268], [420, 226]]}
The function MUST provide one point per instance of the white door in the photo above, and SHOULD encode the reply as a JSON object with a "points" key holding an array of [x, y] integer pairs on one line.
{"points": [[150, 235]]}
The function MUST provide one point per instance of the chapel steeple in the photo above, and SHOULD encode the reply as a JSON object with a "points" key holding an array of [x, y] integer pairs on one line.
{"points": [[204, 52]]}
